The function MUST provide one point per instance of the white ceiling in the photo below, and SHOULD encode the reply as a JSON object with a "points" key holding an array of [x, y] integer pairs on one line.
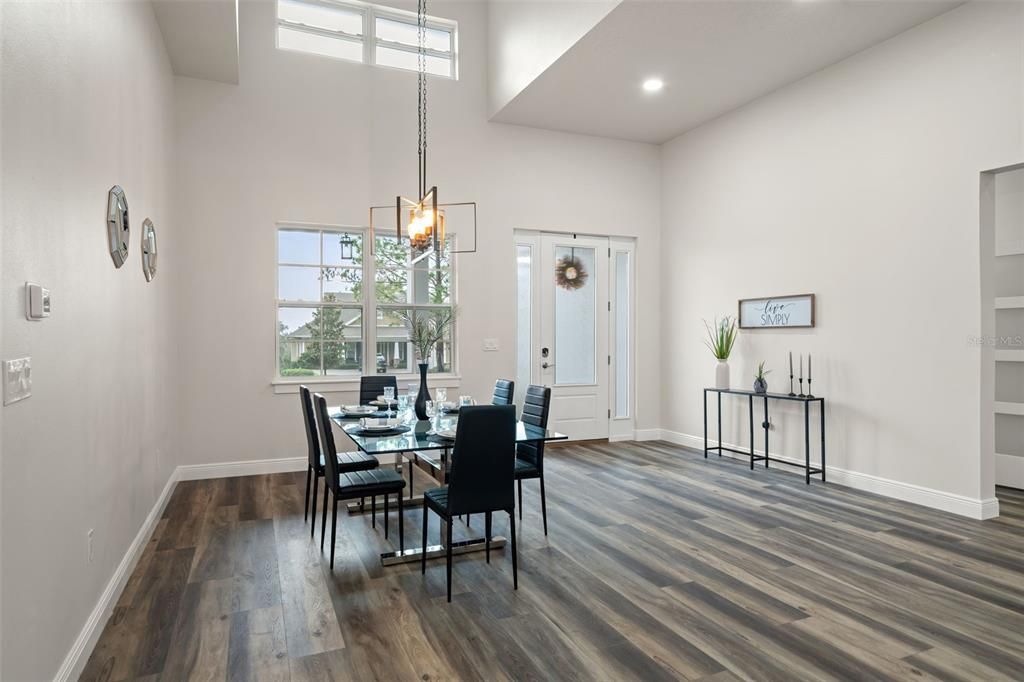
{"points": [[201, 37], [713, 57]]}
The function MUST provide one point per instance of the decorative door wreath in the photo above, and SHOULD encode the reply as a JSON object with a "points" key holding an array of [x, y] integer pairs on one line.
{"points": [[569, 272]]}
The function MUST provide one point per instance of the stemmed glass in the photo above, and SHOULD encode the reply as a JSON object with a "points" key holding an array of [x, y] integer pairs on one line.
{"points": [[389, 396]]}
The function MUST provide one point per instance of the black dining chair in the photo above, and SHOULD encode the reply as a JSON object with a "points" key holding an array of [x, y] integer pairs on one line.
{"points": [[346, 461], [479, 478], [373, 385], [504, 392], [530, 456], [355, 484]]}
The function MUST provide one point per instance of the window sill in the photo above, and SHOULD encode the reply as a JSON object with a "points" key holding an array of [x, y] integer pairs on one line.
{"points": [[291, 385]]}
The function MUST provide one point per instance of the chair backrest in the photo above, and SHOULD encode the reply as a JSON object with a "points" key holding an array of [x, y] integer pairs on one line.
{"points": [[372, 386], [504, 392], [312, 440], [484, 460], [327, 441], [536, 408]]}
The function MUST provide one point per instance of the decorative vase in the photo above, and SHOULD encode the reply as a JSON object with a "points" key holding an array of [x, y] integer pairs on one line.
{"points": [[424, 395], [722, 374], [760, 386]]}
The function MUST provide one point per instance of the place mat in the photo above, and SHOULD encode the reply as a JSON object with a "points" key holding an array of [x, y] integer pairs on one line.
{"points": [[401, 428]]}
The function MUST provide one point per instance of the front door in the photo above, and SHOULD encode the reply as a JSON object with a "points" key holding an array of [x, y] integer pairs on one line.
{"points": [[571, 354]]}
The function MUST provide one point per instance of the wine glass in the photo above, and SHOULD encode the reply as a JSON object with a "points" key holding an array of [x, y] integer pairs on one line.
{"points": [[389, 396], [403, 402], [442, 397], [431, 409]]}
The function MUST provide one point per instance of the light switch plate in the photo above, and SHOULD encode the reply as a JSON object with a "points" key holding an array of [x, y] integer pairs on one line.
{"points": [[37, 301], [17, 380], [490, 345]]}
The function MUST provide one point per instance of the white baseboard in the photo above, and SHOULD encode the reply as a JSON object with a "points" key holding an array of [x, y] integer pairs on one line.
{"points": [[647, 434], [195, 472], [78, 656], [907, 492], [1010, 470]]}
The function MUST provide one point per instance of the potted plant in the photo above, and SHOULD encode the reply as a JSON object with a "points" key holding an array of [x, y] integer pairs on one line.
{"points": [[720, 340], [760, 384], [426, 331]]}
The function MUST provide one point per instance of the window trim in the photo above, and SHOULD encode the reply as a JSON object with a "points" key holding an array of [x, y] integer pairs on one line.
{"points": [[369, 39], [368, 306]]}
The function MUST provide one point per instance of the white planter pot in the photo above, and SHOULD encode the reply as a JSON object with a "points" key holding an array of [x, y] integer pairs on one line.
{"points": [[722, 374]]}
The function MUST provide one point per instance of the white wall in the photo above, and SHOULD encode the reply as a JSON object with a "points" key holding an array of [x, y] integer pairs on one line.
{"points": [[525, 37], [305, 138], [87, 91], [860, 184]]}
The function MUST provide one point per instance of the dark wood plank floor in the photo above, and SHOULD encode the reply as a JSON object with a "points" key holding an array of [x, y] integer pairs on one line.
{"points": [[659, 565]]}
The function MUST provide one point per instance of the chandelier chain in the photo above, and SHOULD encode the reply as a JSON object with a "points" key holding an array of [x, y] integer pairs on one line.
{"points": [[421, 30]]}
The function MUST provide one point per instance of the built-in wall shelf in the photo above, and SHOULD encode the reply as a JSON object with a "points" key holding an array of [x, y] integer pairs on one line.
{"points": [[1009, 355], [1003, 407], [1009, 302]]}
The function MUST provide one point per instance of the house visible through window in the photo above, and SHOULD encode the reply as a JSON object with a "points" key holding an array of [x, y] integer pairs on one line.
{"points": [[328, 285], [366, 33]]}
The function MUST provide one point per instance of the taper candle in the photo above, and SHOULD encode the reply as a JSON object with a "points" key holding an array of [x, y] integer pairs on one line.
{"points": [[790, 363], [801, 367], [808, 366]]}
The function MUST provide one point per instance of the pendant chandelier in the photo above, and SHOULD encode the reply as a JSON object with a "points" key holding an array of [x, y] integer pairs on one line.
{"points": [[422, 221]]}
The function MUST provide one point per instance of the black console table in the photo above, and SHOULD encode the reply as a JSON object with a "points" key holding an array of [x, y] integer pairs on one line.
{"points": [[806, 466]]}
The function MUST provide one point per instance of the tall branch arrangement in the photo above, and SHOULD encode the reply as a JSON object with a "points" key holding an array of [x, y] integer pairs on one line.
{"points": [[427, 329]]}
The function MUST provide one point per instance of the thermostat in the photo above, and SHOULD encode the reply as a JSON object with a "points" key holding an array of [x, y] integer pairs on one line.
{"points": [[37, 301]]}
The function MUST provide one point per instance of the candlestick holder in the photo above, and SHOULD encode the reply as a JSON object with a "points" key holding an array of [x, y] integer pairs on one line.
{"points": [[791, 394], [809, 395], [801, 393]]}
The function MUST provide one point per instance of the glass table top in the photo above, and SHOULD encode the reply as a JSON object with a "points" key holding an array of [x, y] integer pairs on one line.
{"points": [[418, 438]]}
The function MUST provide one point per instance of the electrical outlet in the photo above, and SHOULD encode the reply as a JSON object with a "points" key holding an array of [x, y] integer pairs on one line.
{"points": [[490, 345], [89, 546]]}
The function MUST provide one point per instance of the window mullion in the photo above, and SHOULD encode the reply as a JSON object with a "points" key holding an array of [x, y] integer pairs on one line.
{"points": [[369, 306]]}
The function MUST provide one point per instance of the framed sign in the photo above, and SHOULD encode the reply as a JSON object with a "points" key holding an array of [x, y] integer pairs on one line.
{"points": [[777, 311]]}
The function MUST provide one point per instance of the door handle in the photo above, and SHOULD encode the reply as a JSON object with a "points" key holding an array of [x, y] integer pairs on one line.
{"points": [[545, 365]]}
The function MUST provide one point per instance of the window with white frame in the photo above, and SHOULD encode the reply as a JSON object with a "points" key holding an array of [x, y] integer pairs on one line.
{"points": [[367, 33], [327, 286]]}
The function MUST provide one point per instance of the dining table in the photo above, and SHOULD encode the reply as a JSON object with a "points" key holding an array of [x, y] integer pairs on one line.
{"points": [[420, 445]]}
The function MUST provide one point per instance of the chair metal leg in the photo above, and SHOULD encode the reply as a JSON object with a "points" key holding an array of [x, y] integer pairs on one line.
{"points": [[334, 530], [316, 484], [423, 546], [448, 553], [487, 534], [401, 523], [469, 520], [543, 504], [520, 482], [309, 475], [515, 552], [386, 524], [323, 521]]}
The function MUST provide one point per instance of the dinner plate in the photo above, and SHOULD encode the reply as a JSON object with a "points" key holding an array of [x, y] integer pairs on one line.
{"points": [[448, 434], [357, 410], [378, 424], [380, 402]]}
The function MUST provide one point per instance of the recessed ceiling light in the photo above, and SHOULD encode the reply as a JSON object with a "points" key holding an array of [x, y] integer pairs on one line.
{"points": [[653, 84]]}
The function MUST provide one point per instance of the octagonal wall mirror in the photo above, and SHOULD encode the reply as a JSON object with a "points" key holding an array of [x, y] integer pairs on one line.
{"points": [[148, 249], [118, 231]]}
